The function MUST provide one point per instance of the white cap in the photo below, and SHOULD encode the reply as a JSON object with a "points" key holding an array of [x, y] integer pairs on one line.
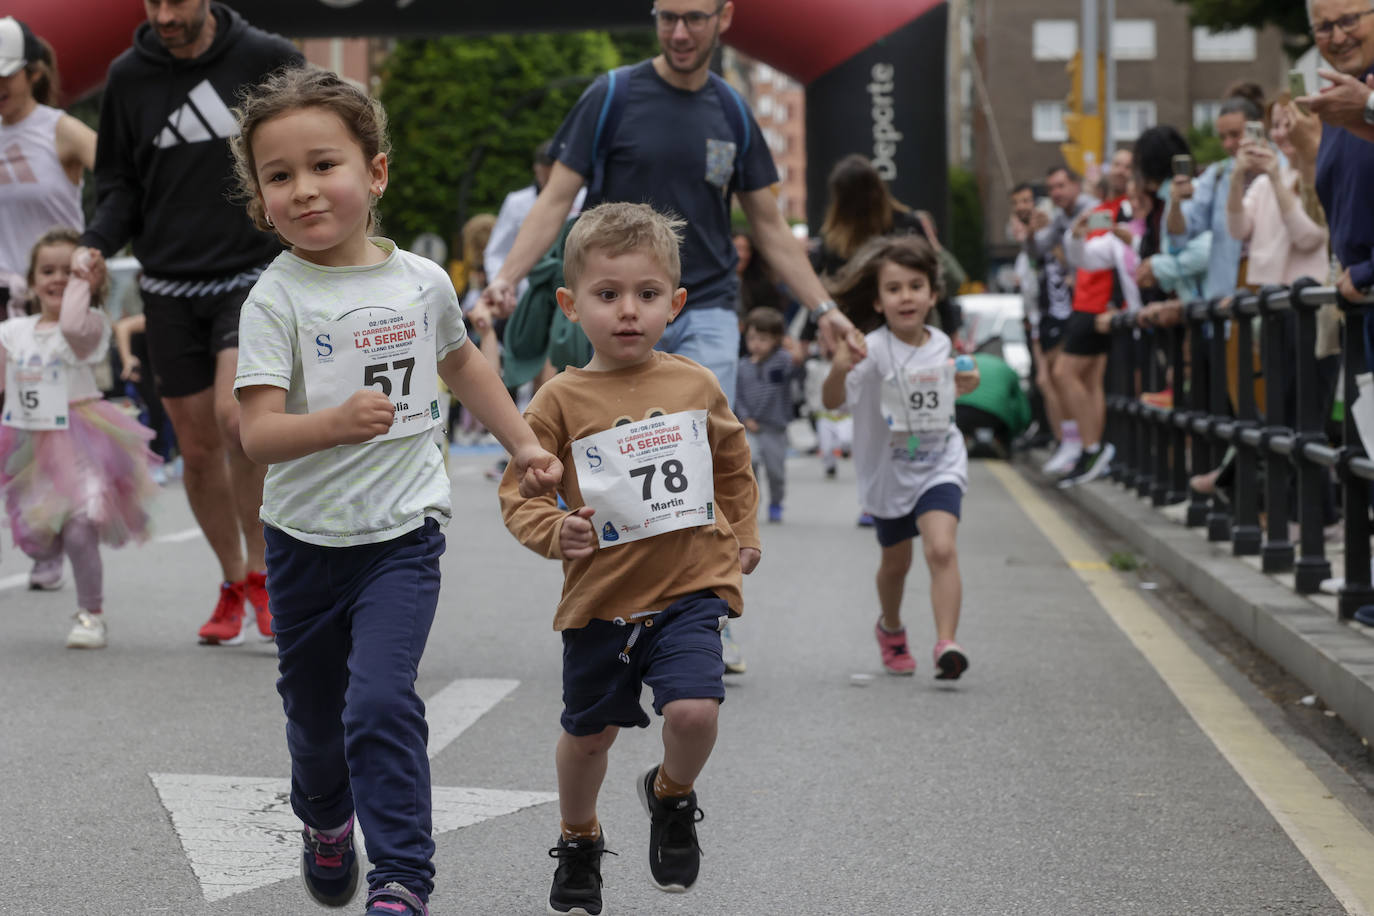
{"points": [[18, 46]]}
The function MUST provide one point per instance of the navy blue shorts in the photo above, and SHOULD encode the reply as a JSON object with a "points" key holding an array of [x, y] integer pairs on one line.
{"points": [[676, 651], [946, 497]]}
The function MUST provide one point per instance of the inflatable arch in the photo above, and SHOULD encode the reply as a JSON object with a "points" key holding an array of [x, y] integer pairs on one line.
{"points": [[874, 70]]}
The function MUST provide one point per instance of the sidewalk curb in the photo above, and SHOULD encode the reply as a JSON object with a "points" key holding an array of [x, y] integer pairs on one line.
{"points": [[1336, 663]]}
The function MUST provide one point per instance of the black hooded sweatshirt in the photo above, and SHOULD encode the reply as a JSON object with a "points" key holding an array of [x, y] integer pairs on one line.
{"points": [[163, 168]]}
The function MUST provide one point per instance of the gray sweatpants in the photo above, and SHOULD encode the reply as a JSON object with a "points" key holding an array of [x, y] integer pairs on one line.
{"points": [[769, 447]]}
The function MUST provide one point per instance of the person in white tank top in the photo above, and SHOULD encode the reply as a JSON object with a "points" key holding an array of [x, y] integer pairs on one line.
{"points": [[43, 152]]}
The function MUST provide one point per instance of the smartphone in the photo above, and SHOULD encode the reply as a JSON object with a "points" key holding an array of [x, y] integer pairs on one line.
{"points": [[1045, 206], [1254, 130], [1183, 166], [1297, 88], [1099, 219]]}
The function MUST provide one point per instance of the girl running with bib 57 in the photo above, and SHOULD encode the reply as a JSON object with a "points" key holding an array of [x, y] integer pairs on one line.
{"points": [[910, 459], [341, 342]]}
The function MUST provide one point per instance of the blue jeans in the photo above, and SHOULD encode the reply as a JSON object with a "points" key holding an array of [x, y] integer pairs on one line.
{"points": [[351, 624], [711, 337]]}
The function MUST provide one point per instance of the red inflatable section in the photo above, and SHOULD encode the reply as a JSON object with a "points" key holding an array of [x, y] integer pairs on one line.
{"points": [[803, 38], [806, 38]]}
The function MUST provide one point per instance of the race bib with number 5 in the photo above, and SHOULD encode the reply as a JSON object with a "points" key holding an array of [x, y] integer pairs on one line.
{"points": [[392, 351], [647, 478], [35, 396]]}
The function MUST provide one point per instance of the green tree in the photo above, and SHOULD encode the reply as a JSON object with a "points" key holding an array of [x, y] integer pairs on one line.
{"points": [[447, 97], [1205, 145], [1228, 15], [966, 224]]}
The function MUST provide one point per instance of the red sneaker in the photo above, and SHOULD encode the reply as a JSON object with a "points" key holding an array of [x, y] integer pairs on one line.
{"points": [[226, 624], [255, 590], [896, 658]]}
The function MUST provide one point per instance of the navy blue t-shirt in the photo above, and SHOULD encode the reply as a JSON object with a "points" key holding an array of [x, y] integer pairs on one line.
{"points": [[675, 151]]}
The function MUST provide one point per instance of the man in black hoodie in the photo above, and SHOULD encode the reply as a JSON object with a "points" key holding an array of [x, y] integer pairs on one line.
{"points": [[163, 174]]}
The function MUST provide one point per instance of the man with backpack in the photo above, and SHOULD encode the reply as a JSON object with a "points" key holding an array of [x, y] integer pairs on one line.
{"points": [[670, 133]]}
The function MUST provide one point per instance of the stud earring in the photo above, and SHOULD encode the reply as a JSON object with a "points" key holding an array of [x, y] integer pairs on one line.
{"points": [[268, 217]]}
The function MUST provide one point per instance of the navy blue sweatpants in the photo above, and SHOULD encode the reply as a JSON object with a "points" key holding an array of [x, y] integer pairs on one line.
{"points": [[351, 624]]}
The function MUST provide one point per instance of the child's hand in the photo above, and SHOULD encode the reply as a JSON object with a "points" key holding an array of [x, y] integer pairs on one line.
{"points": [[844, 357], [751, 424], [966, 381], [539, 471], [748, 559], [577, 537], [365, 415], [88, 265]]}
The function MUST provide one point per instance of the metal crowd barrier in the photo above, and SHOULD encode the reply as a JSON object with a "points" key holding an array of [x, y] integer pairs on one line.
{"points": [[1170, 416]]}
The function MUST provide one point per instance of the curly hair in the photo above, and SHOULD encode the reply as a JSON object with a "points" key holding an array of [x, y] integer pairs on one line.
{"points": [[856, 288], [292, 89]]}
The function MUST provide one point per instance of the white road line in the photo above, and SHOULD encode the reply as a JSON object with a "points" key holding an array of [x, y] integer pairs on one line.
{"points": [[190, 534], [15, 581], [451, 711]]}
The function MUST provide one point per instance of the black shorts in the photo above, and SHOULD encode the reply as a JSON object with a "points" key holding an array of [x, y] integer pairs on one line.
{"points": [[944, 497], [675, 651], [1051, 332], [1081, 337], [186, 335]]}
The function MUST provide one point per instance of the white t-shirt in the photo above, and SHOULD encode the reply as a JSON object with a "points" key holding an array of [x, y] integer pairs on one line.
{"points": [[891, 479], [349, 494], [28, 344]]}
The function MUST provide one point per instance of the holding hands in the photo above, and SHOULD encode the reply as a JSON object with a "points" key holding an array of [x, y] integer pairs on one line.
{"points": [[539, 471], [499, 298]]}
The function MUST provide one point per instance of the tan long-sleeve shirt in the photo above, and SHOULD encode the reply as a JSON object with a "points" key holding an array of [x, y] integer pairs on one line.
{"points": [[650, 574]]}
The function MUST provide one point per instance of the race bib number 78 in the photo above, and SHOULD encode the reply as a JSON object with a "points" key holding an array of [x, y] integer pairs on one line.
{"points": [[647, 478]]}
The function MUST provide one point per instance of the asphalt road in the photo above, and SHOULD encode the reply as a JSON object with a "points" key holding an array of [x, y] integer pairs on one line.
{"points": [[1060, 776]]}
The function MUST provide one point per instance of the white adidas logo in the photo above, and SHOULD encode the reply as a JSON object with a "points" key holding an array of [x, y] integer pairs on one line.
{"points": [[203, 117]]}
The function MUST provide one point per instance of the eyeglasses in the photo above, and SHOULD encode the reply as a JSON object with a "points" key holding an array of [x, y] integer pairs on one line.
{"points": [[1347, 24], [695, 21]]}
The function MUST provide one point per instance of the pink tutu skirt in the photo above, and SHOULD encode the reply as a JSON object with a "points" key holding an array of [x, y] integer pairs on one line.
{"points": [[97, 467]]}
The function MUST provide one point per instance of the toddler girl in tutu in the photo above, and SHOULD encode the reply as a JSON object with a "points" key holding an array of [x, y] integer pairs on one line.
{"points": [[74, 469]]}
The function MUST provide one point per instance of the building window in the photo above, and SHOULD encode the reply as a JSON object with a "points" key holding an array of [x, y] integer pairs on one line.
{"points": [[1205, 113], [1054, 39], [1133, 39], [1214, 46], [765, 109], [1129, 119], [1047, 122], [782, 173]]}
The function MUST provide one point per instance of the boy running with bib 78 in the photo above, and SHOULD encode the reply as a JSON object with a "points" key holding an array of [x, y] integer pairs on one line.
{"points": [[661, 524], [909, 457]]}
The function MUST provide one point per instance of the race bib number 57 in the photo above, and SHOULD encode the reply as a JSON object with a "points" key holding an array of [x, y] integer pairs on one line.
{"points": [[391, 351], [647, 478]]}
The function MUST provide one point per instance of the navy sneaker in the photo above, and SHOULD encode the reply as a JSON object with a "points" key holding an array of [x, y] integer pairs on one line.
{"points": [[674, 856], [329, 866], [395, 900], [576, 885]]}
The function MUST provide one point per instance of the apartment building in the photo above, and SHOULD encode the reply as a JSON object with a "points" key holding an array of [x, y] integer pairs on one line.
{"points": [[1168, 72], [779, 105]]}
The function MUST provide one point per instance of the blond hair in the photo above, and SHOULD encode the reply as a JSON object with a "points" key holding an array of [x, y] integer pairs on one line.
{"points": [[620, 228], [292, 89]]}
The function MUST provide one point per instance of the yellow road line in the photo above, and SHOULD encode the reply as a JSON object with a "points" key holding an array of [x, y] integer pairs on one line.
{"points": [[1337, 845]]}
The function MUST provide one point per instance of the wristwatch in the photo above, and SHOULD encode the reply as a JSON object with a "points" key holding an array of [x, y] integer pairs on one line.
{"points": [[1369, 109], [823, 309]]}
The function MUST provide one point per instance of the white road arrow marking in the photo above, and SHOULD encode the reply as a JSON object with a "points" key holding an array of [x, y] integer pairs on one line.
{"points": [[240, 834]]}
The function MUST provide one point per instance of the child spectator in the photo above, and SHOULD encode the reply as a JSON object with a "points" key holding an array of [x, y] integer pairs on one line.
{"points": [[74, 468], [834, 428], [763, 400], [342, 340], [910, 459], [660, 526]]}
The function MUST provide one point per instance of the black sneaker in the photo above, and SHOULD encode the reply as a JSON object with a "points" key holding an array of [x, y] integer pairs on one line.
{"points": [[674, 856], [577, 880], [1091, 465], [329, 866]]}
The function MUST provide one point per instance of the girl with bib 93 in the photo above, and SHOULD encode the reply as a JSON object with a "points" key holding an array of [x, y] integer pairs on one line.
{"points": [[910, 460], [74, 468], [340, 345]]}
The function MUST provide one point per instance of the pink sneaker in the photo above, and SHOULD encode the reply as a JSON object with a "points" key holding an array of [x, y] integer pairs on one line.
{"points": [[896, 658], [950, 660]]}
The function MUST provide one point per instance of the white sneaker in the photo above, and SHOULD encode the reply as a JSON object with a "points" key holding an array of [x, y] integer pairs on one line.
{"points": [[88, 632], [730, 652], [1063, 459], [46, 575]]}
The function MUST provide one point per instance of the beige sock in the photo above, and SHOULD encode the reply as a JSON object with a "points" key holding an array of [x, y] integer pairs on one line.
{"points": [[588, 831], [664, 787]]}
